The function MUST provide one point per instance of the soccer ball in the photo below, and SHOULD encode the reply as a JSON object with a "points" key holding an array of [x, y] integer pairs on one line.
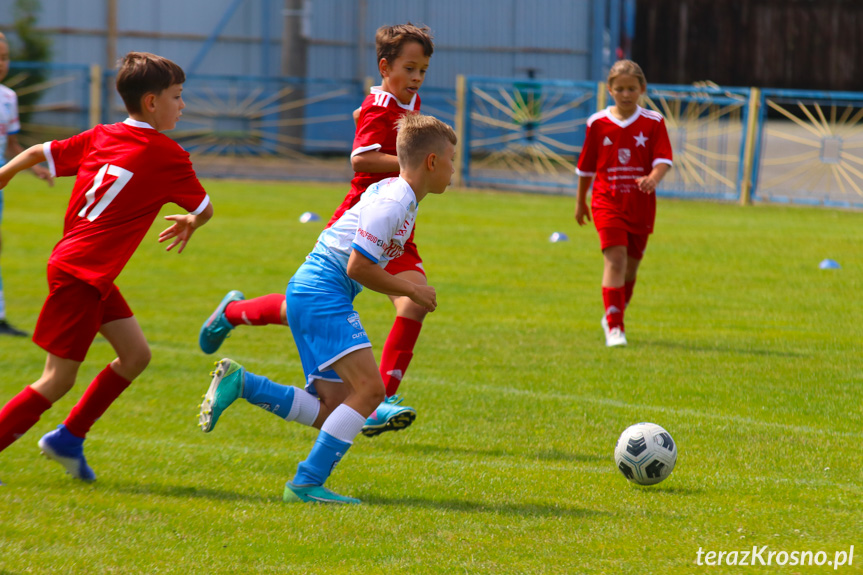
{"points": [[645, 453]]}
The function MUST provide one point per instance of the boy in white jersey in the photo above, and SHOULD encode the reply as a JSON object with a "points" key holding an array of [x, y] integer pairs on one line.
{"points": [[343, 383], [9, 128]]}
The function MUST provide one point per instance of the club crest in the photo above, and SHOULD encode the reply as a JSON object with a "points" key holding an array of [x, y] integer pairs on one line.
{"points": [[623, 155], [354, 320]]}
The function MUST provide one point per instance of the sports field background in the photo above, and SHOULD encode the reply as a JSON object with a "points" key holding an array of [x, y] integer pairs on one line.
{"points": [[740, 346]]}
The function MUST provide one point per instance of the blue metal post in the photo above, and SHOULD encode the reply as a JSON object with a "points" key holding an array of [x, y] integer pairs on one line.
{"points": [[613, 31], [265, 37], [208, 44], [597, 39]]}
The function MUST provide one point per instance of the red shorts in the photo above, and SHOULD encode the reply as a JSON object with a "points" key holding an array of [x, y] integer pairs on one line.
{"points": [[73, 314], [635, 244], [410, 260]]}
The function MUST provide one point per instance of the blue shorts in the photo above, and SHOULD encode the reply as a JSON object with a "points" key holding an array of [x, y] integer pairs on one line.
{"points": [[322, 318]]}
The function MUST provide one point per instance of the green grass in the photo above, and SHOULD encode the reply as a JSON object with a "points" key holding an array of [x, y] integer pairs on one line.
{"points": [[739, 346]]}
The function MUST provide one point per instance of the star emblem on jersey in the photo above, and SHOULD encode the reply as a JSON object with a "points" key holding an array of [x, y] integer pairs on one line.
{"points": [[640, 140], [607, 141]]}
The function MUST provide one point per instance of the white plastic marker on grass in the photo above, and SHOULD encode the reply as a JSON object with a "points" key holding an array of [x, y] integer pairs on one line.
{"points": [[558, 237], [309, 217]]}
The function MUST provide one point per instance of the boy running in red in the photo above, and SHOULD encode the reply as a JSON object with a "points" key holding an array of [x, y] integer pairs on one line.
{"points": [[125, 173], [626, 154], [403, 53]]}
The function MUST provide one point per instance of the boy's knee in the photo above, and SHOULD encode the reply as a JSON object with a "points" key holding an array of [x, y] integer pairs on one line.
{"points": [[372, 391], [131, 365]]}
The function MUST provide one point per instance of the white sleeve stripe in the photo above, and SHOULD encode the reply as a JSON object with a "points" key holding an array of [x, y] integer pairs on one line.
{"points": [[362, 149], [662, 161], [584, 174], [46, 149], [202, 206]]}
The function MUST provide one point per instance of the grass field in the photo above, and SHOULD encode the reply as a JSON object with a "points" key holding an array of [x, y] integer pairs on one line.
{"points": [[739, 346]]}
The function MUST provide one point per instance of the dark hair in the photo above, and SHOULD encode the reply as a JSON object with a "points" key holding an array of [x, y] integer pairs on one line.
{"points": [[389, 40], [144, 73]]}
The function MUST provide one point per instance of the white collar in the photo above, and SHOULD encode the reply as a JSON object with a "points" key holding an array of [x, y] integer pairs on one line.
{"points": [[137, 124]]}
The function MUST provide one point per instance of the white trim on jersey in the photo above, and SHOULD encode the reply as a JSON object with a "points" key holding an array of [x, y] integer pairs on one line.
{"points": [[137, 124], [584, 174], [203, 205], [382, 98], [363, 149], [46, 149], [639, 111]]}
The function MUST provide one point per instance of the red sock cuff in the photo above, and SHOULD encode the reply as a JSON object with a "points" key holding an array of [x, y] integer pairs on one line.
{"points": [[264, 310]]}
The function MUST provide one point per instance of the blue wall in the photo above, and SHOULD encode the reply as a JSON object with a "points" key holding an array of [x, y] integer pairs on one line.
{"points": [[507, 38]]}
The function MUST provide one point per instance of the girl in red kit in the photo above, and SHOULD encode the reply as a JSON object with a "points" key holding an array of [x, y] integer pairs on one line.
{"points": [[626, 154]]}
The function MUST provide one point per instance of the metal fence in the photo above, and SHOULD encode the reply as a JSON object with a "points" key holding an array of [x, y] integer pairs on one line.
{"points": [[730, 143]]}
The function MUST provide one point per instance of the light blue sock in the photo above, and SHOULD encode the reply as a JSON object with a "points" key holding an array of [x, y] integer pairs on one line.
{"points": [[268, 395], [325, 454]]}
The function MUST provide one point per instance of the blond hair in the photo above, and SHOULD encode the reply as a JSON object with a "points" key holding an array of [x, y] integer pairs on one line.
{"points": [[420, 135], [626, 68]]}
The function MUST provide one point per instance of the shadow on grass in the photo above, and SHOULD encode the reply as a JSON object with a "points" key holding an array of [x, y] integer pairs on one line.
{"points": [[187, 492], [519, 509], [723, 349], [669, 489], [544, 455]]}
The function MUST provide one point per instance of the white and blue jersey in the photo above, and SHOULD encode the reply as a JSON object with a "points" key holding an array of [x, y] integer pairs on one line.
{"points": [[9, 124], [320, 295]]}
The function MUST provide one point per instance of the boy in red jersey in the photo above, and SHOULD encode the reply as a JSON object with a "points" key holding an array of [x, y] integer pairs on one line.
{"points": [[125, 173], [626, 154], [403, 53]]}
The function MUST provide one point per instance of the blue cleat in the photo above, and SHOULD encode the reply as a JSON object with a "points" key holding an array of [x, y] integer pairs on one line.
{"points": [[226, 387], [217, 328], [389, 416], [313, 494], [67, 450]]}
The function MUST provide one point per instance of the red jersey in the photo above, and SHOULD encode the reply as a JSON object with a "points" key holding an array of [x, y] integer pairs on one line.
{"points": [[617, 153], [125, 173], [376, 130]]}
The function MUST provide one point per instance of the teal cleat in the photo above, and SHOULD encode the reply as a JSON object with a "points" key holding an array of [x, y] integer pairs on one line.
{"points": [[389, 416], [226, 387], [313, 494], [217, 328]]}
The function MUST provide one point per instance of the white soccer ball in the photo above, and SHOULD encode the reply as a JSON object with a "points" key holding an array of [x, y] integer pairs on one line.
{"points": [[645, 453]]}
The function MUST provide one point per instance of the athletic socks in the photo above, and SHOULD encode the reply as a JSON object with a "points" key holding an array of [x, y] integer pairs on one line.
{"points": [[100, 394], [398, 351], [264, 310], [289, 403], [614, 300], [628, 287], [336, 436], [20, 414]]}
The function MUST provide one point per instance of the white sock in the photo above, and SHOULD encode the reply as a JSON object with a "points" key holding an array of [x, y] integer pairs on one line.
{"points": [[344, 423], [305, 407]]}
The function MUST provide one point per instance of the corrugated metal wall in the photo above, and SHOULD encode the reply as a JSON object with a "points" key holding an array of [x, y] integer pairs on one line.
{"points": [[551, 39]]}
